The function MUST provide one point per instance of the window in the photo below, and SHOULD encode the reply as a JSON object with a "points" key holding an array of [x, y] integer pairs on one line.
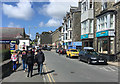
{"points": [[104, 5], [90, 3], [111, 21], [84, 27], [117, 1], [91, 26], [66, 36], [70, 34], [103, 45]]}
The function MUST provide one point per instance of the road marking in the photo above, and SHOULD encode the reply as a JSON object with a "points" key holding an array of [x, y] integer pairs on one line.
{"points": [[111, 68], [48, 75], [51, 76], [104, 69], [114, 67]]}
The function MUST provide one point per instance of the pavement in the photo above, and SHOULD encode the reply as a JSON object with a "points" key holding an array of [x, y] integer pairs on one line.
{"points": [[114, 63], [20, 76]]}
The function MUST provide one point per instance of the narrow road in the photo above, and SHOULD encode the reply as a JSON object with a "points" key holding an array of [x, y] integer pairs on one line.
{"points": [[63, 69]]}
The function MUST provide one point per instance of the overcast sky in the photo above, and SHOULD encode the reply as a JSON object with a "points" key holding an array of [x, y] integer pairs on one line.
{"points": [[38, 16]]}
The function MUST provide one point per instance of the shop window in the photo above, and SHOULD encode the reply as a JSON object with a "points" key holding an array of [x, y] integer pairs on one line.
{"points": [[103, 46], [112, 46]]}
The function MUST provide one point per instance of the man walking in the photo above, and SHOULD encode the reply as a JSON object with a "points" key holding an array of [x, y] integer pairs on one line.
{"points": [[24, 56], [30, 61], [40, 58]]}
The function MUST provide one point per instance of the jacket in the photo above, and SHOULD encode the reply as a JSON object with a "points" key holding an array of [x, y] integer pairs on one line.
{"points": [[30, 59], [40, 58], [24, 55], [14, 57]]}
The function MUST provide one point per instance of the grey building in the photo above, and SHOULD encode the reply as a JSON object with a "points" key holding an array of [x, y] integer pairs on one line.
{"points": [[76, 25], [117, 26], [105, 28], [56, 38], [45, 38]]}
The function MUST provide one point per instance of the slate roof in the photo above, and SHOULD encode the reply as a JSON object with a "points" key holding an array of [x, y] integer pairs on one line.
{"points": [[10, 33]]}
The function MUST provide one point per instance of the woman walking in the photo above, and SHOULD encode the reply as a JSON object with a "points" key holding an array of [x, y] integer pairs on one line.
{"points": [[14, 59], [30, 62]]}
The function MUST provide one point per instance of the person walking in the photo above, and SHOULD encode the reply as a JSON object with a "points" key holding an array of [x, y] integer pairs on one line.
{"points": [[24, 56], [30, 62], [14, 59], [40, 58]]}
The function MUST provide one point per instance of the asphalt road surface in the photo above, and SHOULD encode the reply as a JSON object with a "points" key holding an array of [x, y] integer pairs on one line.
{"points": [[63, 69]]}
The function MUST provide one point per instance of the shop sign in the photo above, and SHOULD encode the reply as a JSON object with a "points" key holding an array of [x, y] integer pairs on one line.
{"points": [[77, 43], [5, 42], [84, 36], [102, 33], [12, 45]]}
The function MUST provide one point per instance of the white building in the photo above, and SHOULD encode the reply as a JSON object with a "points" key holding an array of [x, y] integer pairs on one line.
{"points": [[87, 16]]}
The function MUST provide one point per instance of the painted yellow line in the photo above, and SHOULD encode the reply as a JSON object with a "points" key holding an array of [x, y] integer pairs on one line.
{"points": [[51, 76], [48, 75]]}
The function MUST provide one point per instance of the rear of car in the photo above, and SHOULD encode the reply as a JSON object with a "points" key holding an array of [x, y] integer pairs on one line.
{"points": [[72, 53]]}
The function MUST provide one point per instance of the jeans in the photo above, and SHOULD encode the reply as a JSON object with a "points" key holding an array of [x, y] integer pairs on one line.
{"points": [[24, 64], [14, 65], [40, 68], [30, 69]]}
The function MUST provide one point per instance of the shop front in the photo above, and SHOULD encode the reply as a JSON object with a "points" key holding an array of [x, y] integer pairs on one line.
{"points": [[106, 42], [87, 41], [75, 45]]}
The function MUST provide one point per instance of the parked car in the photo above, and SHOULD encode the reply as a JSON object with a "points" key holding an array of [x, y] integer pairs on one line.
{"points": [[47, 48], [61, 51], [72, 53], [91, 57]]}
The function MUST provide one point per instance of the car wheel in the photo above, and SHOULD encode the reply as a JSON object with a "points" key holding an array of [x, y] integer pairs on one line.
{"points": [[89, 61], [69, 55]]}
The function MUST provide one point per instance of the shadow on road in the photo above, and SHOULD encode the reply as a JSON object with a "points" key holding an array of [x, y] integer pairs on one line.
{"points": [[44, 73]]}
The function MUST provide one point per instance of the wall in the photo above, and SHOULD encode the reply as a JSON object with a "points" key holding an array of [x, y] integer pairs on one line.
{"points": [[76, 26]]}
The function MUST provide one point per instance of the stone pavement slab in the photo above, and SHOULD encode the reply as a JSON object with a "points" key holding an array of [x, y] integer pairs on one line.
{"points": [[114, 63], [20, 76]]}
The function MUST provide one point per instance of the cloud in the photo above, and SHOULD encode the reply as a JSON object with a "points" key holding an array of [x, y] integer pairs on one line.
{"points": [[22, 10], [57, 8], [11, 24], [53, 23], [41, 24]]}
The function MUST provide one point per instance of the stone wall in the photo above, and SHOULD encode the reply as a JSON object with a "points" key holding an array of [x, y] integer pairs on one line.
{"points": [[76, 26]]}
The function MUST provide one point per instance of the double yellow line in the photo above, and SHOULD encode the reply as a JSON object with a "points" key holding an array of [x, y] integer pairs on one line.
{"points": [[50, 77]]}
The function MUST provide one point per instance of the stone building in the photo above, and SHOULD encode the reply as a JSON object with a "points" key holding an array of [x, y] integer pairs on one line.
{"points": [[56, 38], [105, 29], [76, 25], [45, 38], [117, 30], [71, 28]]}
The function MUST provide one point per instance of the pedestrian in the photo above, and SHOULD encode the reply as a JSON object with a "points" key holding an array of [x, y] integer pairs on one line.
{"points": [[14, 59], [24, 56], [30, 62], [40, 59]]}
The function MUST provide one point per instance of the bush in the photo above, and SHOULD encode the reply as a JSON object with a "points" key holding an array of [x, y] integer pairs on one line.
{"points": [[5, 54]]}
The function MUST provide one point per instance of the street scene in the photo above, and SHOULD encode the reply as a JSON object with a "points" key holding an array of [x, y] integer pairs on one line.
{"points": [[60, 41]]}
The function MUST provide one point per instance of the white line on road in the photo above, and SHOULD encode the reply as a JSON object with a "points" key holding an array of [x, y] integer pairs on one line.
{"points": [[104, 69], [111, 68]]}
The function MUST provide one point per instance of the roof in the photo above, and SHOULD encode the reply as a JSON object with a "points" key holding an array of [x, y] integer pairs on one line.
{"points": [[88, 48], [10, 33]]}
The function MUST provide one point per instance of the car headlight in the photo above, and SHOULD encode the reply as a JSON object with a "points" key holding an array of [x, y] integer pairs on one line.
{"points": [[93, 58]]}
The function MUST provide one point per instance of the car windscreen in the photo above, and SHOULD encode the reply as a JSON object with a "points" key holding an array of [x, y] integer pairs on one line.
{"points": [[73, 50], [92, 52]]}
